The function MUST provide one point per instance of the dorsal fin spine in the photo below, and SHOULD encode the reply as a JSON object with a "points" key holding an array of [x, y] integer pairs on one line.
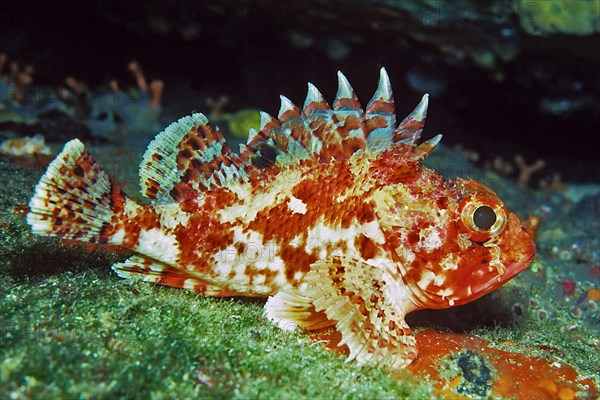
{"points": [[288, 110], [267, 122], [314, 101], [420, 112], [425, 148], [410, 128], [345, 98], [383, 100], [251, 133]]}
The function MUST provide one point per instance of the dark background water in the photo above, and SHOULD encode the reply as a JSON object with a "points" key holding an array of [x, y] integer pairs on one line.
{"points": [[496, 87]]}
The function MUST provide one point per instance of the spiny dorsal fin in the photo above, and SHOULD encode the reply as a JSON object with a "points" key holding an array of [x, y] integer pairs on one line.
{"points": [[189, 156], [320, 133]]}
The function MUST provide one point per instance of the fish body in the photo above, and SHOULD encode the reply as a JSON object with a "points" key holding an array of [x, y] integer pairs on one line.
{"points": [[327, 211]]}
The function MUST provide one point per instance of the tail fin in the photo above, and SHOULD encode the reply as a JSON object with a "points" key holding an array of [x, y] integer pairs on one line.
{"points": [[75, 199]]}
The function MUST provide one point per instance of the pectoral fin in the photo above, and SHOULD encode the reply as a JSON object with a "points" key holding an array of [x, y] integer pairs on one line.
{"points": [[351, 295]]}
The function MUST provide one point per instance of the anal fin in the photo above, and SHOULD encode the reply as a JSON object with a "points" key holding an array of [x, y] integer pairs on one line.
{"points": [[151, 270]]}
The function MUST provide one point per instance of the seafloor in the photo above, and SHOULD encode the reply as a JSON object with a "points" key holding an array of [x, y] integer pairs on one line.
{"points": [[72, 329], [513, 87]]}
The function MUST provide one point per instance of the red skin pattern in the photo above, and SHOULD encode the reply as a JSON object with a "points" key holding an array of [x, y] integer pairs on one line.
{"points": [[205, 235]]}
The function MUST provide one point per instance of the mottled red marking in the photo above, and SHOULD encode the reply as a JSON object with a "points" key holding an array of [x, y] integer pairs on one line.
{"points": [[368, 249], [318, 128], [117, 202], [395, 166], [296, 260], [204, 235], [298, 132], [280, 224], [407, 129], [316, 106], [146, 219], [350, 123], [413, 237], [153, 187], [375, 122], [347, 103], [253, 273]]}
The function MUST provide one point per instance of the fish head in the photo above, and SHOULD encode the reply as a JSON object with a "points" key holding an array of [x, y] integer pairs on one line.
{"points": [[458, 244]]}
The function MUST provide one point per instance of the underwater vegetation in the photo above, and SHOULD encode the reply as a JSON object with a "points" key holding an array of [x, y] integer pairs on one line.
{"points": [[236, 125], [121, 116], [20, 103]]}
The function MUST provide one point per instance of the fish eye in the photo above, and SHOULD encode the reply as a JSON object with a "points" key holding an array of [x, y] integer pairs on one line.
{"points": [[484, 217]]}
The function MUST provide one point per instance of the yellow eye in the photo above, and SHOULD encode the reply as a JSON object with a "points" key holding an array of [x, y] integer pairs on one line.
{"points": [[482, 217]]}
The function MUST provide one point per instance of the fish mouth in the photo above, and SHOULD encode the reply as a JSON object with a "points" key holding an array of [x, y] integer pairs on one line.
{"points": [[512, 270]]}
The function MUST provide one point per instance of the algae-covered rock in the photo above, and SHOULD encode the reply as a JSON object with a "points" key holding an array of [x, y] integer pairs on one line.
{"points": [[573, 17]]}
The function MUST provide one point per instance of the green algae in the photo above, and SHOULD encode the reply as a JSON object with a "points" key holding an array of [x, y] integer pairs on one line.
{"points": [[89, 335], [241, 122], [575, 17]]}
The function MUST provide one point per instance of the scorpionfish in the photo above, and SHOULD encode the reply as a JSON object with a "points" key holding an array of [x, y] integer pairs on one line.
{"points": [[327, 211]]}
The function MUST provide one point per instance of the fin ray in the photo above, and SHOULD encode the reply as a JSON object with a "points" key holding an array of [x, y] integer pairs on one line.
{"points": [[288, 310], [409, 130]]}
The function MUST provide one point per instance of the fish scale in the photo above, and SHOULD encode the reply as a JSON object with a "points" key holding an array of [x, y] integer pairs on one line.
{"points": [[327, 211]]}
